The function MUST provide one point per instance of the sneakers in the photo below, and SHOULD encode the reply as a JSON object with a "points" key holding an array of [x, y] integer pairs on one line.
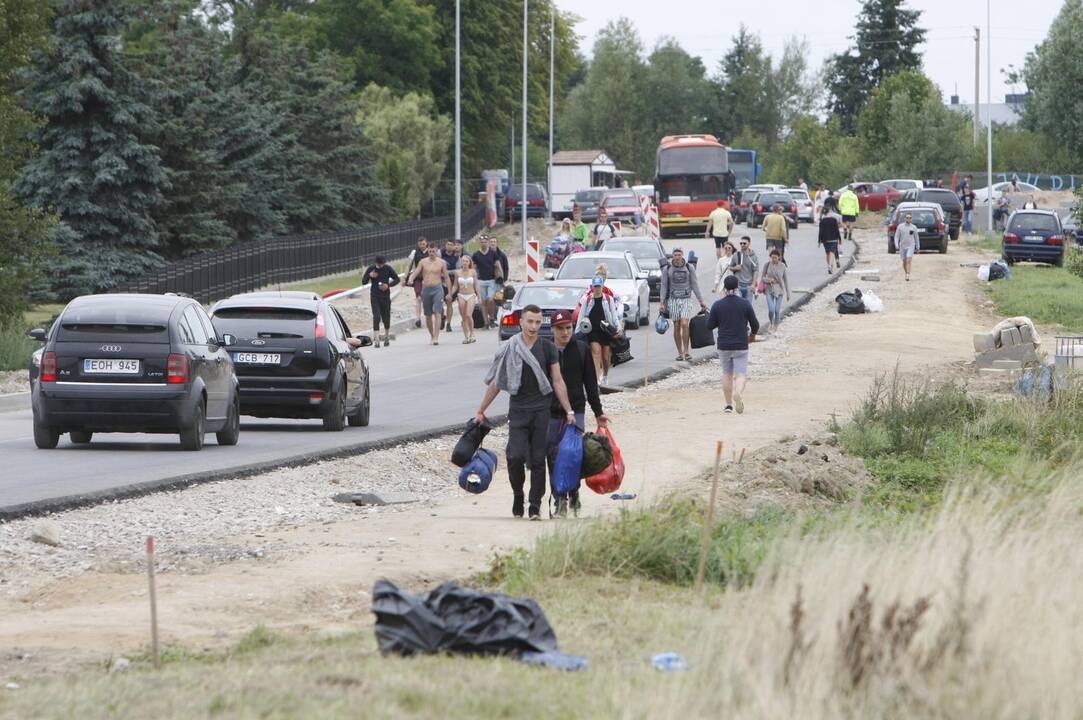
{"points": [[604, 379], [728, 409], [575, 504], [740, 403], [535, 512], [386, 342], [517, 505], [688, 357], [562, 507], [417, 323]]}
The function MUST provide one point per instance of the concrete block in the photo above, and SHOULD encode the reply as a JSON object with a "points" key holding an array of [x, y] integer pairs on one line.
{"points": [[871, 278], [1026, 334], [382, 498], [1020, 353], [984, 342], [1008, 364], [1010, 337], [993, 371]]}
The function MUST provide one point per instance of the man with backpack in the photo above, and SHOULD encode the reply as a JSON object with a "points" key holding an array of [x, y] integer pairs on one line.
{"points": [[581, 380], [679, 285], [737, 326], [491, 264], [381, 278], [603, 229]]}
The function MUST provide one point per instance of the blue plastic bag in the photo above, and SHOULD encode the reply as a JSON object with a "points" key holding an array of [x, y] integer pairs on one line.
{"points": [[565, 477], [478, 473]]}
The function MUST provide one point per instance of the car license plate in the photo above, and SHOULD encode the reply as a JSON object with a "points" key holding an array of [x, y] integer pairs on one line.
{"points": [[1033, 238], [110, 366], [249, 358], [547, 320]]}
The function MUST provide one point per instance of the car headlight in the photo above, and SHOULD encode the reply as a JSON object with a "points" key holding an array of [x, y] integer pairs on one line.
{"points": [[656, 273]]}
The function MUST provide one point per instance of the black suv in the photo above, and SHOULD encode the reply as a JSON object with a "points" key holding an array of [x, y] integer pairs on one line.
{"points": [[766, 200], [946, 199], [134, 363], [295, 358]]}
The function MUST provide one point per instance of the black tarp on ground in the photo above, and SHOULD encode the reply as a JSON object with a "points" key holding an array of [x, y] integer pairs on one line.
{"points": [[457, 620]]}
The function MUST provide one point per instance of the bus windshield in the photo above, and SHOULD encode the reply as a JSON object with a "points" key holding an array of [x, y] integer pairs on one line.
{"points": [[692, 161], [743, 165]]}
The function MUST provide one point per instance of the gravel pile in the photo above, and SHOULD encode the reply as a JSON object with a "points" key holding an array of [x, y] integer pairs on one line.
{"points": [[14, 381]]}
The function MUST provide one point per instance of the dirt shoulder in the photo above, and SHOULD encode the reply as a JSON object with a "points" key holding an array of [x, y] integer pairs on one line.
{"points": [[275, 549]]}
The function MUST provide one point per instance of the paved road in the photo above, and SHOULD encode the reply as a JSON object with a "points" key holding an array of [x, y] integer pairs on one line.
{"points": [[416, 387]]}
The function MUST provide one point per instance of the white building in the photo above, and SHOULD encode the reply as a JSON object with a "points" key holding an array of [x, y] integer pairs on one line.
{"points": [[1008, 112]]}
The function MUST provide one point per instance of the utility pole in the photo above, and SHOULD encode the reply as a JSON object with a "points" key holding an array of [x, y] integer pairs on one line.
{"points": [[511, 169], [526, 52], [977, 81], [552, 66], [458, 135], [989, 106]]}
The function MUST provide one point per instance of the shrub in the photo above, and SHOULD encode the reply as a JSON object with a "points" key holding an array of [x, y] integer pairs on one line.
{"points": [[15, 347], [1073, 260]]}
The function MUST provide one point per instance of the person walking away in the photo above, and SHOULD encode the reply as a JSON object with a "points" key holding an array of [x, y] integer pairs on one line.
{"points": [[380, 277], [966, 197], [435, 282], [581, 381], [486, 260], [719, 226], [679, 285], [603, 230], [466, 281], [599, 305], [777, 230], [722, 266], [736, 323], [907, 241], [527, 367], [449, 256], [849, 207], [416, 256], [745, 266], [776, 286], [830, 237], [1003, 207], [818, 202], [802, 184]]}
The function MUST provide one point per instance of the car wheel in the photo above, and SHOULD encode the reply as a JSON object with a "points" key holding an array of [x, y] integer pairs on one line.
{"points": [[334, 417], [954, 234], [80, 437], [1059, 261], [231, 432], [361, 417], [943, 246], [191, 437], [646, 319], [891, 249], [46, 437]]}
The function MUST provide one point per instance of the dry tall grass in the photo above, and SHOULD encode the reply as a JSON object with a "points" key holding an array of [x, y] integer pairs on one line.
{"points": [[972, 612]]}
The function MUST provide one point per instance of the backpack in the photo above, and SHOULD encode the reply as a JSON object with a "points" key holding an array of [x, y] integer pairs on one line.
{"points": [[850, 303]]}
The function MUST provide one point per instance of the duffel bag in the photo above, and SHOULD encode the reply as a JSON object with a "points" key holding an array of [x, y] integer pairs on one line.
{"points": [[476, 476], [469, 443], [850, 303], [699, 335]]}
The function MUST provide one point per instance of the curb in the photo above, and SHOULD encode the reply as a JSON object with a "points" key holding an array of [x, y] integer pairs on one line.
{"points": [[178, 482]]}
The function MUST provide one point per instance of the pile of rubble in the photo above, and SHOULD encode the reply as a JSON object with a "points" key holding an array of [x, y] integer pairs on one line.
{"points": [[1008, 347]]}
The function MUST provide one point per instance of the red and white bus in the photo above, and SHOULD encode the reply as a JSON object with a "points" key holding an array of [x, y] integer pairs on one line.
{"points": [[691, 175]]}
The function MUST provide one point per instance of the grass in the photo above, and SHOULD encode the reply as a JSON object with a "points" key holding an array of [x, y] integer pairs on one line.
{"points": [[15, 347], [990, 242], [1047, 295]]}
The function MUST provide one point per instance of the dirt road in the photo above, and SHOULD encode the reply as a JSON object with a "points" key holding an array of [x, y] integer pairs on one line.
{"points": [[322, 567]]}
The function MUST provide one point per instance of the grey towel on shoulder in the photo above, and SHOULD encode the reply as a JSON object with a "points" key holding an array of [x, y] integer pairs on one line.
{"points": [[507, 367]]}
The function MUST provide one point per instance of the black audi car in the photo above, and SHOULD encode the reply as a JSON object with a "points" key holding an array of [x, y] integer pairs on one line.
{"points": [[134, 363], [295, 358], [946, 199], [761, 207]]}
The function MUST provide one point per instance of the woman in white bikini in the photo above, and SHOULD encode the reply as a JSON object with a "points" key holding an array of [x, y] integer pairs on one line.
{"points": [[466, 282]]}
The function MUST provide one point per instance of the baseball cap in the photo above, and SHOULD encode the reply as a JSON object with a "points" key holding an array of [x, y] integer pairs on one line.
{"points": [[561, 317], [597, 281], [730, 283], [721, 203]]}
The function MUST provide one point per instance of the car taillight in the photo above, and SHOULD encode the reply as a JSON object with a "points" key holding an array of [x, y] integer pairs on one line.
{"points": [[744, 204], [511, 201], [941, 226], [510, 320], [758, 208], [536, 203], [1056, 240], [793, 208], [176, 369], [321, 327], [48, 367], [1011, 238]]}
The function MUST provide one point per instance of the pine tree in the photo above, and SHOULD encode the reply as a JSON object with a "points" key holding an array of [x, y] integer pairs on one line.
{"points": [[94, 167], [886, 42]]}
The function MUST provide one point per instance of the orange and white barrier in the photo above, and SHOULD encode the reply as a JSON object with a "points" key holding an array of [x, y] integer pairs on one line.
{"points": [[533, 260], [651, 219]]}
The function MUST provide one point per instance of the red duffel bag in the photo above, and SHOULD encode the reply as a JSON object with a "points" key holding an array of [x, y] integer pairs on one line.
{"points": [[608, 480]]}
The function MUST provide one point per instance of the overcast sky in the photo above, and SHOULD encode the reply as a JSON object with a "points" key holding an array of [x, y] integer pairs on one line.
{"points": [[706, 29]]}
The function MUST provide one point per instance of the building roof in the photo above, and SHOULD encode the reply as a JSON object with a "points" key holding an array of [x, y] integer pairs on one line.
{"points": [[581, 157]]}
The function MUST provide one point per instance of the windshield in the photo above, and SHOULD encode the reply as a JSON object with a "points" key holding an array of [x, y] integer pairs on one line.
{"points": [[549, 297], [584, 267], [939, 196], [591, 196], [923, 218], [533, 192], [692, 161], [142, 322], [798, 194], [774, 199], [743, 166], [1029, 222], [253, 322], [621, 199], [639, 250]]}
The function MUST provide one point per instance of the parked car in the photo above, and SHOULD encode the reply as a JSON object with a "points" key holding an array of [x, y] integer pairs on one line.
{"points": [[1035, 236], [982, 195], [626, 279], [622, 204], [294, 358], [804, 204], [1072, 227], [929, 219], [767, 200], [588, 200], [549, 295], [901, 185], [648, 252], [134, 363], [537, 201], [873, 196], [946, 199], [744, 202]]}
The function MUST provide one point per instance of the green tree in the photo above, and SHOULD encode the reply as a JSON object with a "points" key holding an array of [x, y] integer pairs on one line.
{"points": [[874, 121], [410, 140], [678, 96], [886, 41], [1053, 73], [95, 167]]}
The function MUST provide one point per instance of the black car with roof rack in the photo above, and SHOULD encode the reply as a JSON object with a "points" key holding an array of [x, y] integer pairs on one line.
{"points": [[295, 358], [134, 363]]}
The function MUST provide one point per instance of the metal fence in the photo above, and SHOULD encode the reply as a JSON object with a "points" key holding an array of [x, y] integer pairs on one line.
{"points": [[253, 265]]}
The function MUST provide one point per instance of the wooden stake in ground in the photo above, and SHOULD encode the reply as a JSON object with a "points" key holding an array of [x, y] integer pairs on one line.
{"points": [[708, 521], [646, 357], [153, 603]]}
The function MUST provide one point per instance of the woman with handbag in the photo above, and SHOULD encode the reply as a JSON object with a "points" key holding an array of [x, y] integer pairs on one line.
{"points": [[600, 306], [777, 287]]}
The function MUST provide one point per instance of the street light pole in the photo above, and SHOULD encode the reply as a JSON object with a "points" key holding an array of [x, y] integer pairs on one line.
{"points": [[552, 66], [526, 52], [989, 108], [458, 133]]}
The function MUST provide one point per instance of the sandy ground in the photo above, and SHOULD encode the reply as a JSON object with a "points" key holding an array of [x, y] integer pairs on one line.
{"points": [[14, 381], [815, 367]]}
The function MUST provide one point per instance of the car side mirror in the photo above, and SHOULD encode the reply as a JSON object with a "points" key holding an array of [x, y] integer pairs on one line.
{"points": [[227, 340], [37, 334], [365, 340]]}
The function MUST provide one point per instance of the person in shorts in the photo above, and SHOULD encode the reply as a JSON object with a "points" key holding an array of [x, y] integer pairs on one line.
{"points": [[908, 241], [416, 256], [849, 206], [449, 256], [719, 227], [679, 287], [486, 261], [830, 235], [435, 282], [735, 320]]}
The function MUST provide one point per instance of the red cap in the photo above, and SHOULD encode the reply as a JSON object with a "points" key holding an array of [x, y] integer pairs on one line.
{"points": [[721, 203], [561, 317]]}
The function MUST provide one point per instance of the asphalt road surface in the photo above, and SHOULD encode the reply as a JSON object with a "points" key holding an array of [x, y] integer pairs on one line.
{"points": [[416, 387]]}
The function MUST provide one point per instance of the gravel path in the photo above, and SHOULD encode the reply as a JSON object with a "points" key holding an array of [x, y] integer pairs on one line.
{"points": [[14, 381]]}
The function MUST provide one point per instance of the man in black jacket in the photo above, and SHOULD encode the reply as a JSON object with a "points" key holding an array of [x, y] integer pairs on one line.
{"points": [[737, 326], [381, 277], [581, 379]]}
